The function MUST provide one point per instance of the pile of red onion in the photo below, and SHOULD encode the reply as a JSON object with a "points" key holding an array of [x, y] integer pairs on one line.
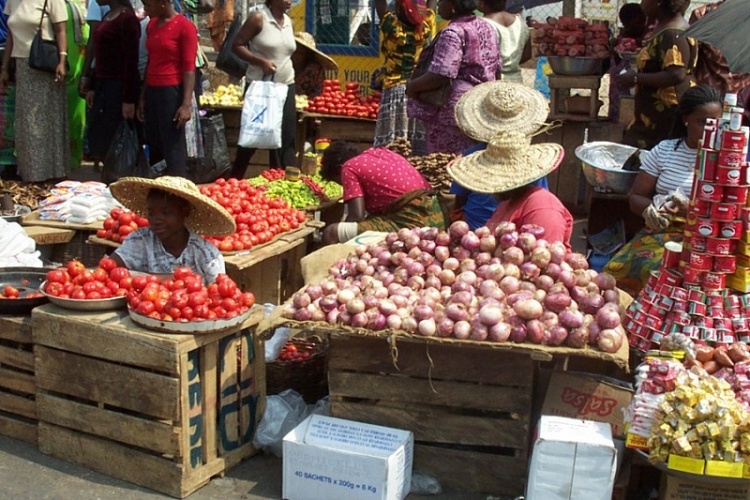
{"points": [[508, 286]]}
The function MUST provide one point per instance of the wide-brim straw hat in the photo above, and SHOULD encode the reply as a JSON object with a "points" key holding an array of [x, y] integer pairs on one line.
{"points": [[307, 41], [492, 107], [206, 216], [509, 162]]}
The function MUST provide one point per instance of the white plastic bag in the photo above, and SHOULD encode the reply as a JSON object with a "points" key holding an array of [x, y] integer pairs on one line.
{"points": [[283, 413], [276, 343], [262, 112]]}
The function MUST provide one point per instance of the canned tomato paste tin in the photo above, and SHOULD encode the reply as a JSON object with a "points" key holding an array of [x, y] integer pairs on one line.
{"points": [[707, 228], [735, 194], [732, 140], [745, 215], [740, 324], [701, 261], [733, 313], [692, 332], [707, 160], [714, 281], [725, 263], [701, 208], [702, 321], [731, 229], [671, 257], [682, 318], [715, 312], [715, 300], [692, 276], [708, 191], [743, 336], [678, 294], [696, 296], [698, 244], [732, 301], [669, 277], [723, 211], [720, 246], [728, 158], [728, 176], [709, 334]]}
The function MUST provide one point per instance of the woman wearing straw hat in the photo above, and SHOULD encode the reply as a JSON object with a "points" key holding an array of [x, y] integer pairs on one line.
{"points": [[507, 169], [382, 191], [403, 33], [310, 66], [177, 213], [481, 113]]}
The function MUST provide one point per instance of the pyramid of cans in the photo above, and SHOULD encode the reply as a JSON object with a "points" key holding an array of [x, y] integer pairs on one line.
{"points": [[690, 293]]}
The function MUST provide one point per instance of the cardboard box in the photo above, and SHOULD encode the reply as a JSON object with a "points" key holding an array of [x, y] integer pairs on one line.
{"points": [[572, 460], [326, 457], [677, 488], [686, 464], [579, 395]]}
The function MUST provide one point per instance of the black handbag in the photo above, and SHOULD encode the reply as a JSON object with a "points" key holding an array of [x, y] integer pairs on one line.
{"points": [[44, 55], [437, 97], [227, 61]]}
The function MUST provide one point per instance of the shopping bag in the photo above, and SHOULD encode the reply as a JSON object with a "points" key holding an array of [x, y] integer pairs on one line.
{"points": [[227, 61], [215, 162], [262, 112], [193, 135], [125, 156]]}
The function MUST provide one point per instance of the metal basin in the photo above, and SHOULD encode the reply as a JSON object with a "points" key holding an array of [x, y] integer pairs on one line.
{"points": [[602, 165], [575, 66]]}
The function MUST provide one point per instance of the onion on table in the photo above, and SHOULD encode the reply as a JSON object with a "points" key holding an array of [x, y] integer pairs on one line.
{"points": [[510, 285]]}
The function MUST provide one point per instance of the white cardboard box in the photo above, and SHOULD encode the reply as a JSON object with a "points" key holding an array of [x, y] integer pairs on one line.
{"points": [[572, 460], [332, 458]]}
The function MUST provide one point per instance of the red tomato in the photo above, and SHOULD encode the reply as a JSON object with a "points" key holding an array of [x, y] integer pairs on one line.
{"points": [[187, 313], [193, 283], [105, 292], [107, 264], [125, 231], [150, 293], [140, 282], [125, 218], [78, 294], [125, 283], [197, 298], [112, 285], [100, 274], [101, 233], [83, 276], [160, 305], [229, 304], [11, 292], [145, 308], [75, 268], [248, 299], [108, 223], [56, 276], [118, 274], [200, 312], [180, 298], [182, 272], [141, 221]]}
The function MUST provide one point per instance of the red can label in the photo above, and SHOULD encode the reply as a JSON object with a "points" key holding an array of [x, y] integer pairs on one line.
{"points": [[723, 324], [743, 336], [707, 160], [692, 276], [708, 191], [720, 246], [733, 313], [733, 140], [725, 263], [707, 227], [678, 294], [698, 244], [702, 320], [740, 324], [715, 300], [709, 334], [725, 336], [696, 296], [728, 176], [729, 158], [723, 211], [680, 306], [692, 331], [682, 318], [735, 194], [653, 322], [714, 281], [701, 261], [652, 279], [701, 208], [669, 277], [731, 229]]}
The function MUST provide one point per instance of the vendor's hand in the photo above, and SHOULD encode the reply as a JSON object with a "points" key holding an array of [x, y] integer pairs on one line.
{"points": [[182, 116], [60, 72], [83, 87], [268, 67], [128, 111], [676, 204], [655, 219], [140, 111], [90, 99], [626, 79]]}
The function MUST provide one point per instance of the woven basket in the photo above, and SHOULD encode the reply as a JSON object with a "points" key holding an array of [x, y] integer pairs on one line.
{"points": [[308, 376], [78, 249]]}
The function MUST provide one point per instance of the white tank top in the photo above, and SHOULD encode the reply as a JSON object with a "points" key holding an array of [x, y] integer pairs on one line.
{"points": [[513, 39], [276, 44]]}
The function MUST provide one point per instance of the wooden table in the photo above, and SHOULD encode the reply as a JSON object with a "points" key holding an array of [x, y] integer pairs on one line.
{"points": [[48, 235], [18, 413], [360, 131]]}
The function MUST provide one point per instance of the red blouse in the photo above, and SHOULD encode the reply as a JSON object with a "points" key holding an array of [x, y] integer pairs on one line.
{"points": [[172, 48]]}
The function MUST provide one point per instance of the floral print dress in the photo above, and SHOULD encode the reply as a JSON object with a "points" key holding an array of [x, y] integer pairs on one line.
{"points": [[655, 107]]}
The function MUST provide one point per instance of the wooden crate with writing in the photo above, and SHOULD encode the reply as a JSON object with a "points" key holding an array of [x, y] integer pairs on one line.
{"points": [[468, 407], [167, 412], [18, 416]]}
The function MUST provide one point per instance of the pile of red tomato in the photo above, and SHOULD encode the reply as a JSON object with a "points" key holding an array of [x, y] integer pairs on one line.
{"points": [[11, 292], [120, 224], [294, 352], [349, 103], [259, 219], [184, 298], [74, 281], [273, 174]]}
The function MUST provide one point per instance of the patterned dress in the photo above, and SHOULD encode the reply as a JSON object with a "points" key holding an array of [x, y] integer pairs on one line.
{"points": [[467, 52], [655, 107]]}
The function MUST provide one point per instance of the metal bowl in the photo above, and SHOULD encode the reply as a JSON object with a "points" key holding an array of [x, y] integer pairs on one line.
{"points": [[190, 327], [602, 165], [575, 66], [18, 212], [89, 305]]}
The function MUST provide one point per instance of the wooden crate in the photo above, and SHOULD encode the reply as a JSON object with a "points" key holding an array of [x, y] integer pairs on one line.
{"points": [[272, 272], [167, 412], [18, 415], [468, 407]]}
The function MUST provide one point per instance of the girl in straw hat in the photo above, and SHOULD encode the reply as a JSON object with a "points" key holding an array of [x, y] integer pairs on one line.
{"points": [[508, 169], [177, 213], [382, 191], [403, 34]]}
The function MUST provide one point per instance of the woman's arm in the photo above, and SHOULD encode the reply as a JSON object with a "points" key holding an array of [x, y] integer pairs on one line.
{"points": [[4, 72], [61, 38], [247, 32], [131, 39], [188, 90], [428, 81], [526, 54], [356, 207], [189, 51], [671, 76], [381, 8], [642, 192]]}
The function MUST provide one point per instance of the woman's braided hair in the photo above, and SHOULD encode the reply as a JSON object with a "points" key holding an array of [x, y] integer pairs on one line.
{"points": [[674, 7], [692, 99]]}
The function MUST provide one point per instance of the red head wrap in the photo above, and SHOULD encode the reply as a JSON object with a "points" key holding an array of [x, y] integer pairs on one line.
{"points": [[415, 12]]}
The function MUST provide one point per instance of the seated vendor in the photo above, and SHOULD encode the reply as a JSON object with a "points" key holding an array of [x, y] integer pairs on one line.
{"points": [[661, 190], [508, 168], [177, 213], [382, 191]]}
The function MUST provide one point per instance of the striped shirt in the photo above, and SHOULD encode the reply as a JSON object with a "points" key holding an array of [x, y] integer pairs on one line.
{"points": [[673, 164]]}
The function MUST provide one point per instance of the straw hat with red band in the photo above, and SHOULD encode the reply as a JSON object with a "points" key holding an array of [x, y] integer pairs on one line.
{"points": [[206, 216], [509, 162], [307, 41]]}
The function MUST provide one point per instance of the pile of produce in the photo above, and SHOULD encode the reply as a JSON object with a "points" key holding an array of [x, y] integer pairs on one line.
{"points": [[11, 292], [348, 103], [74, 281], [224, 95], [730, 363], [432, 166], [184, 298], [120, 223], [571, 37], [309, 191], [259, 218], [510, 285], [28, 195], [300, 102]]}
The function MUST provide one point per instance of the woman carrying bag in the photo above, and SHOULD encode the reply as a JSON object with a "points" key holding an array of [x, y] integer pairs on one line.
{"points": [[42, 136]]}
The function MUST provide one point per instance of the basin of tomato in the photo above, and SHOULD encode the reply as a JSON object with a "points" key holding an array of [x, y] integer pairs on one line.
{"points": [[258, 218], [11, 292], [184, 298], [351, 102], [120, 224], [74, 281]]}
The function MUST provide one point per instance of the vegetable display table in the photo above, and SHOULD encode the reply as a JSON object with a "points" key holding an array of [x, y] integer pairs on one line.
{"points": [[360, 131], [164, 411], [18, 413]]}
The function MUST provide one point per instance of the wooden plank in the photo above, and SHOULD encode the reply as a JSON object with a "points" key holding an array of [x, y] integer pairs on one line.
{"points": [[248, 258], [107, 335], [291, 271], [210, 384], [215, 467], [49, 235], [17, 358], [471, 471], [394, 388], [439, 362], [17, 381], [18, 429], [33, 219], [16, 329], [117, 385], [436, 426], [18, 405], [117, 426], [570, 169], [112, 459]]}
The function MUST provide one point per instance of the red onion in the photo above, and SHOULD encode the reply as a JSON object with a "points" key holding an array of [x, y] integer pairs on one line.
{"points": [[463, 298], [369, 271], [404, 233], [567, 278], [495, 271], [451, 264], [314, 291], [361, 265], [479, 332], [423, 312], [571, 319], [328, 287], [400, 276], [344, 296], [461, 286], [433, 282], [432, 294], [607, 318], [529, 271], [398, 300], [611, 296], [415, 269], [387, 307], [445, 328], [605, 281], [549, 319], [483, 231], [456, 312], [303, 315], [527, 286], [557, 252], [504, 227], [594, 331], [490, 314], [509, 284], [447, 277], [508, 240], [414, 253], [458, 230], [391, 238], [528, 308], [461, 330], [425, 259], [332, 317], [394, 321], [488, 301], [582, 279], [535, 331], [526, 242], [487, 244], [468, 277], [500, 332], [577, 261], [288, 311], [377, 323], [409, 324], [593, 303], [513, 255], [579, 294], [344, 317], [557, 335], [541, 243], [428, 233], [552, 270], [467, 265], [427, 246], [443, 239], [442, 253], [544, 282], [481, 259], [557, 302], [301, 300], [433, 270], [403, 312], [360, 250], [577, 338], [355, 306], [486, 287], [540, 295], [460, 253], [517, 329], [541, 257], [427, 327], [359, 320], [328, 303], [592, 288], [380, 291], [537, 231], [610, 340]]}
